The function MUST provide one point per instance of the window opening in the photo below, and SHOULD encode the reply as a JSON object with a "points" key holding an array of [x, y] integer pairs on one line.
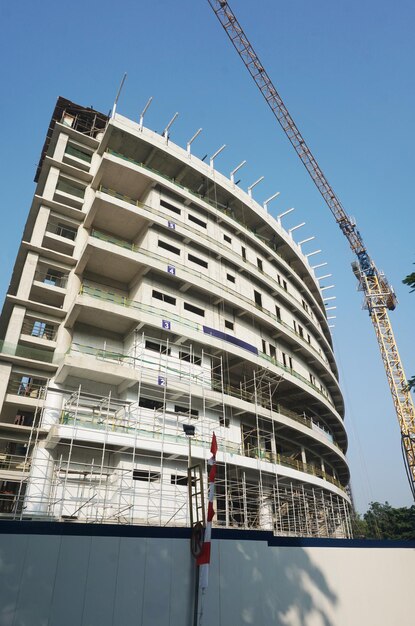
{"points": [[164, 297], [193, 309], [149, 403], [185, 411], [190, 358], [169, 206], [157, 347], [195, 259], [197, 221], [146, 476], [258, 298], [168, 246]]}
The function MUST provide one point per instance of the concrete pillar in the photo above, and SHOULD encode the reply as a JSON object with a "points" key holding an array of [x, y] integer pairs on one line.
{"points": [[40, 226], [5, 370], [28, 275], [39, 483], [53, 408], [303, 456], [15, 325], [88, 199], [60, 147], [51, 182], [265, 512]]}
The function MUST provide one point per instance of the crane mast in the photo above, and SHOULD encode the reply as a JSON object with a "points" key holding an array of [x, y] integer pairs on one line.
{"points": [[379, 296]]}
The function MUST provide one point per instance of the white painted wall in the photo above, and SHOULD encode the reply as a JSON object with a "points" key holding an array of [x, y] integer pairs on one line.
{"points": [[120, 580]]}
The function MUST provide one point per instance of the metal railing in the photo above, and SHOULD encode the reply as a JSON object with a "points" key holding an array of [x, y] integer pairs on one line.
{"points": [[284, 292], [79, 154], [39, 329], [103, 294], [131, 426], [201, 276], [63, 231], [26, 386], [172, 372], [67, 187], [53, 280], [13, 462], [26, 352]]}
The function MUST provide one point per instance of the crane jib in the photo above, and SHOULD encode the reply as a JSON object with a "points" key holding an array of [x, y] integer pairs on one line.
{"points": [[378, 294]]}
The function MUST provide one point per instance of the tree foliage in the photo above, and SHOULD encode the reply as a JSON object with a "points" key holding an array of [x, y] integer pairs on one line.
{"points": [[410, 281], [382, 521]]}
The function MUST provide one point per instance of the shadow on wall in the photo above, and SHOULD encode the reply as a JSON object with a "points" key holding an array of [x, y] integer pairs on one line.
{"points": [[69, 580], [253, 583]]}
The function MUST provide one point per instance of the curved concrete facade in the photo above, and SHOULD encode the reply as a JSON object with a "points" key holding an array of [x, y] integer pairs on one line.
{"points": [[150, 292]]}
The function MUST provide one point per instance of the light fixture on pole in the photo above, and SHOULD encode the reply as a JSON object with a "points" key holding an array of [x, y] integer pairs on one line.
{"points": [[166, 130], [189, 143], [250, 188], [143, 112], [114, 108], [268, 200], [232, 174], [212, 158]]}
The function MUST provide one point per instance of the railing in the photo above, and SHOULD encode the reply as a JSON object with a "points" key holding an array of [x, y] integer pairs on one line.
{"points": [[185, 374], [13, 462], [27, 388], [62, 231], [133, 426], [72, 190], [102, 294], [26, 352], [129, 426], [201, 276], [39, 329], [79, 154], [51, 279], [284, 292]]}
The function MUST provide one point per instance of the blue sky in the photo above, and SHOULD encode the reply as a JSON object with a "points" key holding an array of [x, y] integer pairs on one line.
{"points": [[345, 71]]}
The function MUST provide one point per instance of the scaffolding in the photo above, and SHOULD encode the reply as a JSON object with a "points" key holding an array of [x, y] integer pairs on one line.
{"points": [[111, 459]]}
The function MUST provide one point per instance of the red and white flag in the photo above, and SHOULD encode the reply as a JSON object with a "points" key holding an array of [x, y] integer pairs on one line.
{"points": [[203, 560]]}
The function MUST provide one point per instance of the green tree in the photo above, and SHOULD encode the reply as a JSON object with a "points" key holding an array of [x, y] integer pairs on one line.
{"points": [[385, 522], [359, 526], [410, 281]]}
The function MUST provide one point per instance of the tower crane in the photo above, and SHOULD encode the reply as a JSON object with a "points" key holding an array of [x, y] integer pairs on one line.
{"points": [[379, 296]]}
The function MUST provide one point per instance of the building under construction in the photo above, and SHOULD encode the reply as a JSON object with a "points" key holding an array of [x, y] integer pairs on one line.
{"points": [[151, 294]]}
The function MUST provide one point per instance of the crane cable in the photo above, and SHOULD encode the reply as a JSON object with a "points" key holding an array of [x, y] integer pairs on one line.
{"points": [[378, 294]]}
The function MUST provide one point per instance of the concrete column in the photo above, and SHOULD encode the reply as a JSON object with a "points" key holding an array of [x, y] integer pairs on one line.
{"points": [[88, 199], [51, 182], [39, 483], [5, 371], [53, 408], [60, 147], [265, 512], [303, 456], [40, 226], [27, 276], [15, 325], [81, 239]]}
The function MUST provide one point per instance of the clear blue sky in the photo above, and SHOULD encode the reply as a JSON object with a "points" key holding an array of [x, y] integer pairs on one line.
{"points": [[345, 71]]}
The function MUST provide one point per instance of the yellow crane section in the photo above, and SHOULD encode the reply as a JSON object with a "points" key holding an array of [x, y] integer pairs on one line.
{"points": [[379, 296]]}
